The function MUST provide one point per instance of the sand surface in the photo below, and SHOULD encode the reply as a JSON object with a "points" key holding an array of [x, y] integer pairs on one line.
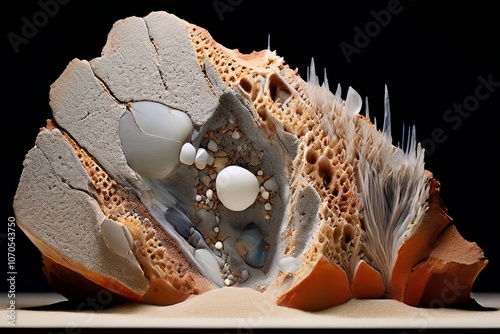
{"points": [[245, 308]]}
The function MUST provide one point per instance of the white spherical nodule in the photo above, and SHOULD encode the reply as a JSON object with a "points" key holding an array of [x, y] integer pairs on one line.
{"points": [[210, 194], [265, 195], [151, 135], [188, 153], [237, 188], [201, 158]]}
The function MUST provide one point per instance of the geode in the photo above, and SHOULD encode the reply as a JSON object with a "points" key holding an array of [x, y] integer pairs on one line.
{"points": [[173, 166]]}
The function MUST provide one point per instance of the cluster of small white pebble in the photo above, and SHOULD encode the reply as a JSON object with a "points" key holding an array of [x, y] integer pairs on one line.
{"points": [[227, 275], [226, 146]]}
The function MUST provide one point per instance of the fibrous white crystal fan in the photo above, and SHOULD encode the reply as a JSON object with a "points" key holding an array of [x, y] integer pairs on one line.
{"points": [[393, 191], [333, 210], [391, 181]]}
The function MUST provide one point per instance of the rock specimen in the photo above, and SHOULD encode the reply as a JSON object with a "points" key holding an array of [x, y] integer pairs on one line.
{"points": [[173, 166]]}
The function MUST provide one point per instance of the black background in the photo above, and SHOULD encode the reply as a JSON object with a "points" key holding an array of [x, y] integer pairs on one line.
{"points": [[430, 55]]}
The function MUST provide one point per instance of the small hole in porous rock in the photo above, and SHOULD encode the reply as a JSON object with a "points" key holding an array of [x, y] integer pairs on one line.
{"points": [[246, 85], [299, 111], [335, 191], [325, 169], [278, 91], [348, 233], [327, 180]]}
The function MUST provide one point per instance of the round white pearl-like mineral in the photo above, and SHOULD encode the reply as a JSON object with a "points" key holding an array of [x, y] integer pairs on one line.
{"points": [[188, 153], [237, 188], [201, 158], [151, 135]]}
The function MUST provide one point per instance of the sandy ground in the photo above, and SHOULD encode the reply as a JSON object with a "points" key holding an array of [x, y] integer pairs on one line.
{"points": [[243, 308]]}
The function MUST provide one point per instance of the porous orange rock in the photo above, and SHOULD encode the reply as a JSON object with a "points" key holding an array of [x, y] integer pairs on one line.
{"points": [[362, 217]]}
